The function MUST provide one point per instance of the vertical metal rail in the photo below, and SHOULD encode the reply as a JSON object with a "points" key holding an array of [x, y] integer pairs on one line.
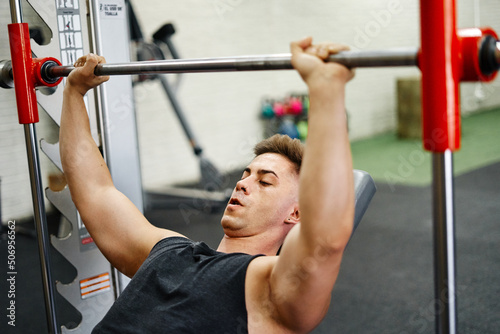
{"points": [[16, 12], [444, 242], [41, 225], [36, 189], [441, 73]]}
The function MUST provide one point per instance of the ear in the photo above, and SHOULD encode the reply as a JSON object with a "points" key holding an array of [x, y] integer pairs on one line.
{"points": [[293, 217]]}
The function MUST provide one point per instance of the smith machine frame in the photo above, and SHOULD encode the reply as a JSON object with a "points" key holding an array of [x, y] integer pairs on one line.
{"points": [[446, 57]]}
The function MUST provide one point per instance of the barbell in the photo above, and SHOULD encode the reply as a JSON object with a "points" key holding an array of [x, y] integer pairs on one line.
{"points": [[51, 70]]}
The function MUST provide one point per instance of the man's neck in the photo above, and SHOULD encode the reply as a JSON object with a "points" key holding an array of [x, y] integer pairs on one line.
{"points": [[255, 244]]}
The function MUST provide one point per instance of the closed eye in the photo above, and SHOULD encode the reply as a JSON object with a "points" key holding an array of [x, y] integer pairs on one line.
{"points": [[265, 183]]}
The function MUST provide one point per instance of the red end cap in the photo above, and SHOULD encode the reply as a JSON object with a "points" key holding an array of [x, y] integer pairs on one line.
{"points": [[471, 40], [38, 68]]}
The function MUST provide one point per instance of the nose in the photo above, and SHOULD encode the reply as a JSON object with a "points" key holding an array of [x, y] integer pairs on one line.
{"points": [[242, 185]]}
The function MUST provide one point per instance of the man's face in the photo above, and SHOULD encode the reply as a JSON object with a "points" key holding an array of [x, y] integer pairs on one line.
{"points": [[264, 197]]}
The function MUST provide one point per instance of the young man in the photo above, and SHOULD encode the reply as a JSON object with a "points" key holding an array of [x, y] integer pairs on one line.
{"points": [[180, 286]]}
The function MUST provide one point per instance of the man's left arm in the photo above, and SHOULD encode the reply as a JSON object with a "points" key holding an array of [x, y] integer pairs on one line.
{"points": [[305, 273]]}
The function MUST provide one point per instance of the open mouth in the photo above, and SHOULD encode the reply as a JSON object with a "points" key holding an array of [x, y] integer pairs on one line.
{"points": [[235, 201]]}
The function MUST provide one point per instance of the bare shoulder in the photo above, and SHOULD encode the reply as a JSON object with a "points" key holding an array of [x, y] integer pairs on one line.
{"points": [[262, 313], [291, 293], [257, 279]]}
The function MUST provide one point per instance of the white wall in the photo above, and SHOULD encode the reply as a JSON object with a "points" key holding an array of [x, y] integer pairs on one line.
{"points": [[223, 108]]}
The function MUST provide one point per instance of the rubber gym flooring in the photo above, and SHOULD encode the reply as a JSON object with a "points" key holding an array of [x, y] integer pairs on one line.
{"points": [[386, 279]]}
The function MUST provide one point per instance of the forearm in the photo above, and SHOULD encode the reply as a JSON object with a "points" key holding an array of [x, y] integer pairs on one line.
{"points": [[82, 161], [326, 180]]}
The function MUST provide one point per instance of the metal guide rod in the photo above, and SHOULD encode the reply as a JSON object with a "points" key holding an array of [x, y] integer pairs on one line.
{"points": [[16, 12], [375, 58], [41, 228], [441, 65], [444, 242], [38, 201]]}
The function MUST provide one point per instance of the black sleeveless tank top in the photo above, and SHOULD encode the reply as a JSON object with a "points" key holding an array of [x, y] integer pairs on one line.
{"points": [[183, 287]]}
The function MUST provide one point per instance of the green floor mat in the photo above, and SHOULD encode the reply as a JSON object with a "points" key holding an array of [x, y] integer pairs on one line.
{"points": [[395, 161]]}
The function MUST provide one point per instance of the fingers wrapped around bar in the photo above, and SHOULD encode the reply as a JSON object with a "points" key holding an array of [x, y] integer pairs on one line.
{"points": [[82, 78]]}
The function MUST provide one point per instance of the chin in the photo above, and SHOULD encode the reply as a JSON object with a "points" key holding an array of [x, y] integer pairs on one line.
{"points": [[231, 224]]}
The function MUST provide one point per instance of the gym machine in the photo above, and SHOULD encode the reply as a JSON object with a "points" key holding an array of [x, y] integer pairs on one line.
{"points": [[97, 284], [447, 56]]}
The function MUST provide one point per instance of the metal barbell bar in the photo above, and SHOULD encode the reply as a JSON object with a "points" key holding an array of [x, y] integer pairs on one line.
{"points": [[374, 58], [395, 57], [380, 58]]}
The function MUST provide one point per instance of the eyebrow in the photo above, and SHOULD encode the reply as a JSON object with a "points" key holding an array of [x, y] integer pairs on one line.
{"points": [[262, 171]]}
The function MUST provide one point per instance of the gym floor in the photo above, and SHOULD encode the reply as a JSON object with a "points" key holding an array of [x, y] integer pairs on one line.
{"points": [[386, 280]]}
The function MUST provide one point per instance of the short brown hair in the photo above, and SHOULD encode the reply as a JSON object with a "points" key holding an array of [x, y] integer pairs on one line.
{"points": [[292, 149]]}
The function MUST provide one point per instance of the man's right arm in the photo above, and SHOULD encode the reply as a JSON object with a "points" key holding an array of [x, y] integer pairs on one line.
{"points": [[301, 281], [118, 228]]}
